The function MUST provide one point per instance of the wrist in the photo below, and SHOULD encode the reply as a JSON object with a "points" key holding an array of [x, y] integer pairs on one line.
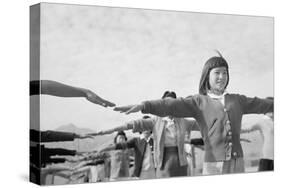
{"points": [[85, 92], [76, 135]]}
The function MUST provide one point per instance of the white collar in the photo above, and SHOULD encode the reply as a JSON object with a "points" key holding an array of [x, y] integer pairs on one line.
{"points": [[214, 96]]}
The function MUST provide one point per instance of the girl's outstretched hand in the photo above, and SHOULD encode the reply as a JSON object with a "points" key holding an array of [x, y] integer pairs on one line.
{"points": [[129, 109]]}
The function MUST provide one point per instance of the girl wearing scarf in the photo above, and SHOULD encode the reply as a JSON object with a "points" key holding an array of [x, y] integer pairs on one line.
{"points": [[218, 114]]}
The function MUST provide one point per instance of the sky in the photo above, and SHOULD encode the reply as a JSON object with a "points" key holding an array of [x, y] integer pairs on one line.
{"points": [[131, 55]]}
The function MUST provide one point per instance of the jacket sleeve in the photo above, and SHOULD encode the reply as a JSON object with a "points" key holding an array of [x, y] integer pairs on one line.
{"points": [[256, 105], [59, 151], [56, 136], [180, 107], [141, 125]]}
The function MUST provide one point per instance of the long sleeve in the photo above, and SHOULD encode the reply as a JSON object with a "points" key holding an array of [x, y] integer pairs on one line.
{"points": [[136, 125], [59, 151], [141, 125], [56, 136], [50, 136], [55, 160], [256, 105], [181, 107]]}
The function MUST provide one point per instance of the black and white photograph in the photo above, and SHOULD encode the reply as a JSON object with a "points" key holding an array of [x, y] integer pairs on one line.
{"points": [[120, 94], [127, 94]]}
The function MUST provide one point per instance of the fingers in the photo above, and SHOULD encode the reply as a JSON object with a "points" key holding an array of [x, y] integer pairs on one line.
{"points": [[122, 109], [103, 102], [127, 109], [134, 109], [106, 103], [130, 111], [118, 109], [94, 98], [98, 101]]}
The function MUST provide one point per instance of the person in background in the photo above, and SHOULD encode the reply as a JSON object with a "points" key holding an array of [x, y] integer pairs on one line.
{"points": [[144, 167], [168, 135], [49, 87], [119, 159]]}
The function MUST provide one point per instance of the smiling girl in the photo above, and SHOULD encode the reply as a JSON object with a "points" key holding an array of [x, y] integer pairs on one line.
{"points": [[218, 114]]}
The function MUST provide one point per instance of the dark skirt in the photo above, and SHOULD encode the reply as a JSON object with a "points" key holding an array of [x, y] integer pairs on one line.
{"points": [[171, 164]]}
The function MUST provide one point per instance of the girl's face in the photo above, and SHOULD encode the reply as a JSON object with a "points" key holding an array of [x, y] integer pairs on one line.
{"points": [[218, 79]]}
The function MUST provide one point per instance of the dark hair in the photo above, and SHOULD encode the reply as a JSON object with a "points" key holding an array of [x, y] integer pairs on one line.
{"points": [[120, 133], [146, 117], [169, 94], [211, 63]]}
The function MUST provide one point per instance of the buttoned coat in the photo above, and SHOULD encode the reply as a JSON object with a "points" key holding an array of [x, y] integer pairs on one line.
{"points": [[220, 125]]}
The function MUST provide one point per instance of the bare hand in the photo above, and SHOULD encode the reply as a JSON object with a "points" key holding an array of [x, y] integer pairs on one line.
{"points": [[129, 109], [94, 98]]}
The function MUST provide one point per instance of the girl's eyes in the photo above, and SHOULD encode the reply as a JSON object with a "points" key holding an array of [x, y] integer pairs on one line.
{"points": [[224, 73]]}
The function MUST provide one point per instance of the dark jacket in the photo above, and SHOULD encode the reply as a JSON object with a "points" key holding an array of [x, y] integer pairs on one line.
{"points": [[51, 136]]}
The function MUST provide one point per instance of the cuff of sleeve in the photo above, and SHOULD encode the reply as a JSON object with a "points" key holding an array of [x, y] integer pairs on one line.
{"points": [[75, 136]]}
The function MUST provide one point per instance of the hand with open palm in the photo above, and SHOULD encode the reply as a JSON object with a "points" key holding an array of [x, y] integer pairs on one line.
{"points": [[94, 98], [129, 108]]}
